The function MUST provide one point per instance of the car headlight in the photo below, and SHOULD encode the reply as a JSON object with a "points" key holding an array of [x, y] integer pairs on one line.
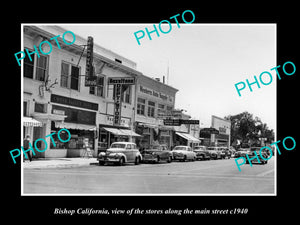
{"points": [[101, 154]]}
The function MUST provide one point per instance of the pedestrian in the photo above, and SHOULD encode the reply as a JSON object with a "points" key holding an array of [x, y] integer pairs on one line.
{"points": [[26, 146]]}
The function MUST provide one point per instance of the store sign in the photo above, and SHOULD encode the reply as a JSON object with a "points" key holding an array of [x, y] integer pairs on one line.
{"points": [[121, 80], [189, 121], [179, 122], [155, 93], [174, 114], [171, 122], [117, 108], [90, 79], [73, 102]]}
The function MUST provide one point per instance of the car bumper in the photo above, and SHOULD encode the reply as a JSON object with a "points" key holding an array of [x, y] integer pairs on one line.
{"points": [[108, 159], [149, 158], [178, 157]]}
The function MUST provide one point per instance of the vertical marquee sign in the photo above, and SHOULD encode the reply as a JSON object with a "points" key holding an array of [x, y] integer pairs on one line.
{"points": [[90, 79], [117, 108], [118, 82]]}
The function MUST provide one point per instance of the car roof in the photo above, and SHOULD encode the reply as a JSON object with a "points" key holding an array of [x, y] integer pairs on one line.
{"points": [[122, 142], [182, 146]]}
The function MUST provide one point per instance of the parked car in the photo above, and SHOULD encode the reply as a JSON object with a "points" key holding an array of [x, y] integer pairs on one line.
{"points": [[226, 153], [120, 153], [157, 153], [201, 152], [251, 154], [214, 152], [240, 153], [183, 153]]}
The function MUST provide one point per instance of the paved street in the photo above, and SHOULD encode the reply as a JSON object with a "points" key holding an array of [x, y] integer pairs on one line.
{"points": [[199, 177]]}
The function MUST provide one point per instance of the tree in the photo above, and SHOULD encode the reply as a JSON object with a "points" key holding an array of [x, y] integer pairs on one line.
{"points": [[249, 130]]}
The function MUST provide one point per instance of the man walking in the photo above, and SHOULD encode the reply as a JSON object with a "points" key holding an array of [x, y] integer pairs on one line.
{"points": [[26, 146]]}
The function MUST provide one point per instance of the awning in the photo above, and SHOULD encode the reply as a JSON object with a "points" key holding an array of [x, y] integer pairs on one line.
{"points": [[114, 131], [188, 137], [121, 132], [130, 133], [50, 116], [30, 122], [75, 126]]}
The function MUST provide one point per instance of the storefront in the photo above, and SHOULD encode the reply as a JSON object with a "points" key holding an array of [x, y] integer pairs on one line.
{"points": [[109, 134], [223, 137], [81, 124], [186, 139]]}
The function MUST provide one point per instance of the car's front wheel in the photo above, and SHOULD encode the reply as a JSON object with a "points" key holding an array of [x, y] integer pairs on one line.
{"points": [[137, 160], [121, 161]]}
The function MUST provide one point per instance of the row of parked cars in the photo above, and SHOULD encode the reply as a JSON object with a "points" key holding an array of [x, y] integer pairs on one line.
{"points": [[127, 152]]}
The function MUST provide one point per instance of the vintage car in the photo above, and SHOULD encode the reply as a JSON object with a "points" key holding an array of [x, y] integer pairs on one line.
{"points": [[120, 153], [251, 154], [215, 152], [183, 153], [157, 153], [201, 152], [241, 152], [225, 153]]}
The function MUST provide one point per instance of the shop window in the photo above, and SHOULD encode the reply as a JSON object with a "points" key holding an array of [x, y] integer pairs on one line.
{"points": [[69, 76], [141, 104], [99, 89], [151, 109], [37, 68], [39, 107]]}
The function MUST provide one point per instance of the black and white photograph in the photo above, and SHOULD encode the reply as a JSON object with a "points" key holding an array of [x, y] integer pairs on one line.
{"points": [[109, 113], [132, 114]]}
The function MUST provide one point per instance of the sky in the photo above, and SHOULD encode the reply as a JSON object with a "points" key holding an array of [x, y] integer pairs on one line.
{"points": [[205, 62]]}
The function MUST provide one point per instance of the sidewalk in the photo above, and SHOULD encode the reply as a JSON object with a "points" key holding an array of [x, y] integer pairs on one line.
{"points": [[58, 163]]}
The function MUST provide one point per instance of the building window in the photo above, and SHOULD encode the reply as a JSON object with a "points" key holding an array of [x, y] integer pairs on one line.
{"points": [[125, 93], [99, 89], [118, 60], [161, 109], [169, 108], [28, 66], [41, 68], [151, 109], [25, 109], [69, 76], [141, 104], [39, 107], [37, 68]]}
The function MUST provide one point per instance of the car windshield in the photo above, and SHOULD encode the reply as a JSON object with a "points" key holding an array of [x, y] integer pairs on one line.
{"points": [[211, 148], [199, 148], [156, 147], [118, 145], [180, 148]]}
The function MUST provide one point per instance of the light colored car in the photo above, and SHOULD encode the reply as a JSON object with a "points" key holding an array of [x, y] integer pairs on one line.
{"points": [[183, 153], [120, 153], [215, 152]]}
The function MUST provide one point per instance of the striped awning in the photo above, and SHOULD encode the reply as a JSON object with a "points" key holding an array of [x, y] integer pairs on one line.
{"points": [[30, 122], [187, 137], [74, 126]]}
